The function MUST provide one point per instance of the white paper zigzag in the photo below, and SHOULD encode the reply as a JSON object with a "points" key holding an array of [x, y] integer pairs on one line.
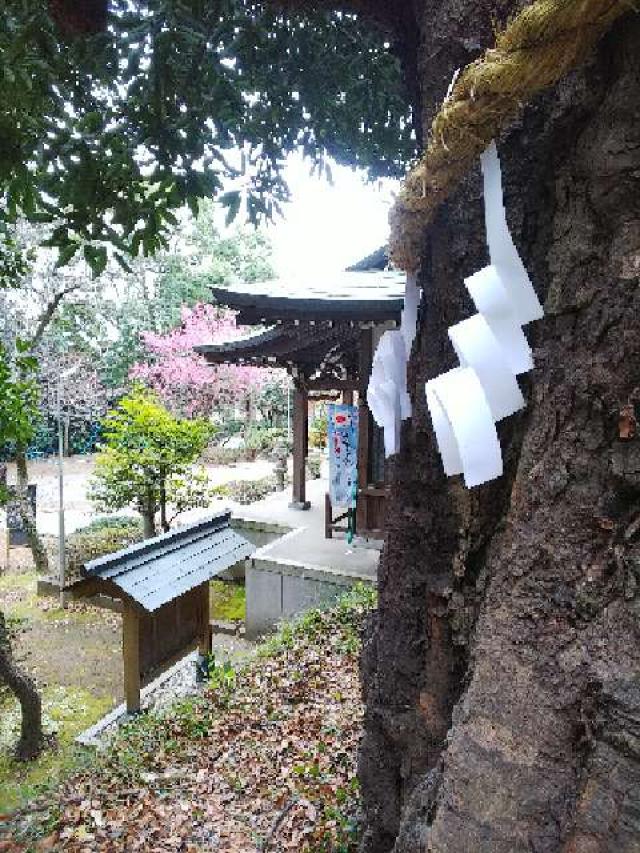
{"points": [[465, 403]]}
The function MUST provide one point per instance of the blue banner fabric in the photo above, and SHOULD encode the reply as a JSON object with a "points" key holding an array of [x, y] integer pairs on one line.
{"points": [[343, 453]]}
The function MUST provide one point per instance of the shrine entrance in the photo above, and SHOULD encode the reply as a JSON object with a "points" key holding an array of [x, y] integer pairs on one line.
{"points": [[324, 335]]}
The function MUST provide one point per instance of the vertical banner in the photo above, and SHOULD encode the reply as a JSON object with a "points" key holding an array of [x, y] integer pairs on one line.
{"points": [[343, 453]]}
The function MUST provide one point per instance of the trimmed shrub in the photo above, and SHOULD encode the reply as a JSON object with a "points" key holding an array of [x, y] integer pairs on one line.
{"points": [[265, 439], [314, 465], [216, 455], [103, 536], [248, 491], [318, 432]]}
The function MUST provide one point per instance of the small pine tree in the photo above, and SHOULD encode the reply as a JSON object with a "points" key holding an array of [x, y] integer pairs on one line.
{"points": [[147, 460]]}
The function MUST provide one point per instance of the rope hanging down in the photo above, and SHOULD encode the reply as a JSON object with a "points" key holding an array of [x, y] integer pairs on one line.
{"points": [[540, 45]]}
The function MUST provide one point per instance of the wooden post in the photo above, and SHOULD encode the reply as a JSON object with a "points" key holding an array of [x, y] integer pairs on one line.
{"points": [[300, 438], [365, 358], [204, 634], [328, 517], [131, 657], [347, 397], [204, 640]]}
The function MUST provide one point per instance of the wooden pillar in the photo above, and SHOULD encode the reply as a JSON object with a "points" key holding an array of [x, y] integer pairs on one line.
{"points": [[328, 517], [204, 638], [365, 359], [204, 633], [131, 657], [347, 397], [300, 443]]}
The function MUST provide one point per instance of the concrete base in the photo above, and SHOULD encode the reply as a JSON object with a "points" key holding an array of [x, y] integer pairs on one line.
{"points": [[259, 533], [300, 505], [277, 591], [301, 569], [297, 573]]}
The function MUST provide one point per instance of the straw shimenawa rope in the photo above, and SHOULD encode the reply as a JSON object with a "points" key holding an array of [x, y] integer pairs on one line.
{"points": [[540, 45]]}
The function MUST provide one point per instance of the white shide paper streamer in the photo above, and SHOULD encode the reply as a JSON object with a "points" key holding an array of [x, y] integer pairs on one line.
{"points": [[387, 395], [466, 402]]}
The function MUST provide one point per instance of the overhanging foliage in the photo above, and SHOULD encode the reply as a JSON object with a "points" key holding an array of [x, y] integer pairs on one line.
{"points": [[108, 134]]}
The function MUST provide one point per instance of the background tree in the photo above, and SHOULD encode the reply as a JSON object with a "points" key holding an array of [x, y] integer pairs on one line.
{"points": [[147, 460], [151, 112], [153, 297], [84, 399], [30, 308], [18, 401], [182, 378]]}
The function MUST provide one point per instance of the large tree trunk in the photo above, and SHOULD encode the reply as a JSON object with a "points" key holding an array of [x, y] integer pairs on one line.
{"points": [[36, 545], [502, 670], [31, 736]]}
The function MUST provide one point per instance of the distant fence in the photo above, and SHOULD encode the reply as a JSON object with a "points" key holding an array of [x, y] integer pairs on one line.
{"points": [[83, 438]]}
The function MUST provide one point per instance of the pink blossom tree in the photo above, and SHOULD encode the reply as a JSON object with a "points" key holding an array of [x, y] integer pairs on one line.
{"points": [[182, 378]]}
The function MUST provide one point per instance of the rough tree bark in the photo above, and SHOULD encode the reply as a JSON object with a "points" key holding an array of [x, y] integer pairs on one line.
{"points": [[502, 670], [32, 738], [36, 545]]}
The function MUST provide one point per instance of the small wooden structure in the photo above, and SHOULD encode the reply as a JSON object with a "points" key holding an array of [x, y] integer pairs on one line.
{"points": [[324, 335], [163, 584]]}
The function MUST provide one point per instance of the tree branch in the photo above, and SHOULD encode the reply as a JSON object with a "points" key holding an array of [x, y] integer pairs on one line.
{"points": [[47, 315]]}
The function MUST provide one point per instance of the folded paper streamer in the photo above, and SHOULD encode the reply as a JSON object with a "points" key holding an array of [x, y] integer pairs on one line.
{"points": [[387, 394], [466, 402]]}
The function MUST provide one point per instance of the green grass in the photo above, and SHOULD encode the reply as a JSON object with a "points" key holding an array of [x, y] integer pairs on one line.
{"points": [[18, 595], [66, 710], [66, 713], [10, 581], [227, 601]]}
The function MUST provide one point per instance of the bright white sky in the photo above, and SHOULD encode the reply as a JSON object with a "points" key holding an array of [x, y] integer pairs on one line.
{"points": [[325, 228]]}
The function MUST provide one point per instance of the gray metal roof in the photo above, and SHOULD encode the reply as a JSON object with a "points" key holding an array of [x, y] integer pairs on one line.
{"points": [[356, 295], [369, 285], [285, 345], [158, 570]]}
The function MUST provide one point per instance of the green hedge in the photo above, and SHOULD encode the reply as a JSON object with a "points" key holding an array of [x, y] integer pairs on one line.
{"points": [[103, 536], [216, 455], [248, 491]]}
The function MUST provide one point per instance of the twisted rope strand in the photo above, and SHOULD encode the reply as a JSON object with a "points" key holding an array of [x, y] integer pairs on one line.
{"points": [[540, 45]]}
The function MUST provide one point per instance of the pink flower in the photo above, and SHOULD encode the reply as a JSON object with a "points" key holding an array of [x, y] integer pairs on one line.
{"points": [[184, 380]]}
